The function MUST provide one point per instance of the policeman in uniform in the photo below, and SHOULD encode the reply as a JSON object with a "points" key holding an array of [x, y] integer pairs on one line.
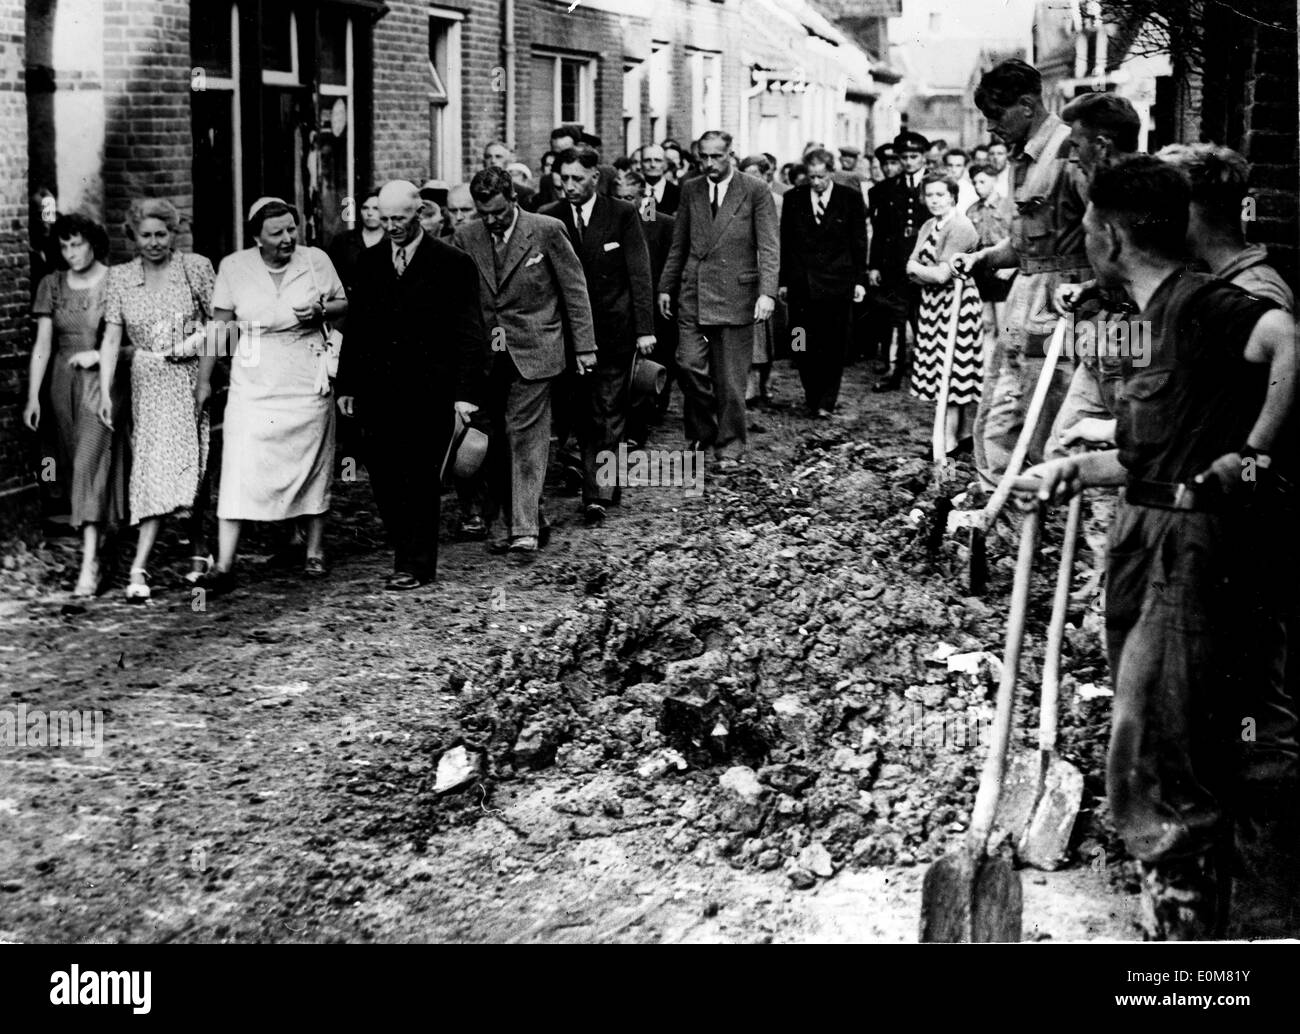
{"points": [[1202, 767], [896, 211]]}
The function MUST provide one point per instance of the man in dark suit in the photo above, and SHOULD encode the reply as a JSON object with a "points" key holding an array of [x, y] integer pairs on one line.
{"points": [[724, 264], [897, 213], [532, 293], [654, 167], [630, 187], [823, 273], [606, 234], [415, 354]]}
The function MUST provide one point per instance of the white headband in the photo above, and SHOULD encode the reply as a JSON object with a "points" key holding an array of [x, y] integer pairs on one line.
{"points": [[261, 203]]}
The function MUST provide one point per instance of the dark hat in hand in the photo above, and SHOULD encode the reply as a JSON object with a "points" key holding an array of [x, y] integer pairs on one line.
{"points": [[648, 378], [466, 449]]}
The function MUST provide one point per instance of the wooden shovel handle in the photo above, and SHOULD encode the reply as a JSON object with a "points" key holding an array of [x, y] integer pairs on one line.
{"points": [[995, 764], [1047, 713], [1036, 403], [938, 439]]}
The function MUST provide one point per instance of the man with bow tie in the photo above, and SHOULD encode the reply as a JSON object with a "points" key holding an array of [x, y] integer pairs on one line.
{"points": [[897, 213], [533, 294], [823, 273], [723, 265]]}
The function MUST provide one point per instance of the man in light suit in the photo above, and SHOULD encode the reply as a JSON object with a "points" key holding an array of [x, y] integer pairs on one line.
{"points": [[723, 264], [607, 236], [415, 348], [532, 290], [823, 273]]}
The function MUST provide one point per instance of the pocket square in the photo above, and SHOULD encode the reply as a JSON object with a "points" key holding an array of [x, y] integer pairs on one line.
{"points": [[611, 245], [534, 260]]}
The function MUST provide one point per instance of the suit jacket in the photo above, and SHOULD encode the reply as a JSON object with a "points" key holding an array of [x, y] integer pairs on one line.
{"points": [[540, 296], [411, 335], [897, 212], [659, 239], [616, 264], [824, 261], [672, 198], [719, 266]]}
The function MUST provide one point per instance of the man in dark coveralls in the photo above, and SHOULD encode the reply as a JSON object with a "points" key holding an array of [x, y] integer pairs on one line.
{"points": [[1202, 766], [896, 212]]}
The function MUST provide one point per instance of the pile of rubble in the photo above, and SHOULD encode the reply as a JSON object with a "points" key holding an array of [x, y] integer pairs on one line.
{"points": [[794, 674]]}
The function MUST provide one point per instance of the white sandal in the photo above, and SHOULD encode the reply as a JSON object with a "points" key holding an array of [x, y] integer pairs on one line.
{"points": [[138, 592], [208, 562]]}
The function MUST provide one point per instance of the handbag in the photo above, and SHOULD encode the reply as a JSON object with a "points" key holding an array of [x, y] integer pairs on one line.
{"points": [[331, 337]]}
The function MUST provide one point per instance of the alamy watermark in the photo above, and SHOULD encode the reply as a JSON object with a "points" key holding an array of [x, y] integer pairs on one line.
{"points": [[652, 468], [1114, 338], [83, 730]]}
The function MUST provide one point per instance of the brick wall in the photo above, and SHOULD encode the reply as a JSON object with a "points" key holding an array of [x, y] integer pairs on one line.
{"points": [[148, 149], [1253, 108], [16, 444]]}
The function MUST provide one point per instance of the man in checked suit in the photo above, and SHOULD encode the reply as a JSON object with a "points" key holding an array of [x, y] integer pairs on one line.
{"points": [[531, 289], [823, 273], [723, 264], [607, 236], [415, 346]]}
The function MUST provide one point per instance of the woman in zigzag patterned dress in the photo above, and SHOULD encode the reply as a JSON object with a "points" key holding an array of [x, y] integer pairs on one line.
{"points": [[946, 234]]}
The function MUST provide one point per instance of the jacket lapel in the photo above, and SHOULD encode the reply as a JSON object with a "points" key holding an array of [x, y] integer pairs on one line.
{"points": [[729, 207], [520, 242], [593, 241], [478, 243]]}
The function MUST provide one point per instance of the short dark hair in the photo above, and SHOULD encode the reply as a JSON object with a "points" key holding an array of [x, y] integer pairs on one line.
{"points": [[1219, 177], [957, 151], [980, 169], [820, 156], [74, 224], [755, 161], [488, 183], [271, 210], [1005, 83], [1149, 198], [939, 177], [584, 156], [573, 132], [715, 134], [1106, 113], [623, 162], [632, 176]]}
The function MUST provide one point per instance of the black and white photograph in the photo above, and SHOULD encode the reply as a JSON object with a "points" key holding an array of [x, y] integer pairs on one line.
{"points": [[650, 472]]}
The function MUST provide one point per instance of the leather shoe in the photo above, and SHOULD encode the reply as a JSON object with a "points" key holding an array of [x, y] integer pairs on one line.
{"points": [[524, 544], [472, 527], [593, 514], [889, 384]]}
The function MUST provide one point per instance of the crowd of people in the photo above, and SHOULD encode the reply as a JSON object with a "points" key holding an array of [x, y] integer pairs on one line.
{"points": [[544, 311]]}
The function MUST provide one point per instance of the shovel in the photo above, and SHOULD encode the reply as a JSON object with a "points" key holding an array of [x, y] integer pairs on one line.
{"points": [[979, 564], [1043, 792], [967, 896]]}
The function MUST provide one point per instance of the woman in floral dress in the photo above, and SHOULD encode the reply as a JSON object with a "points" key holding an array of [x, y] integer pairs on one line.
{"points": [[158, 298]]}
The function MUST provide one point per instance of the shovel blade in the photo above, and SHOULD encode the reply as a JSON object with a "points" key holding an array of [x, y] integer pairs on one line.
{"points": [[1047, 836], [978, 573], [961, 904]]}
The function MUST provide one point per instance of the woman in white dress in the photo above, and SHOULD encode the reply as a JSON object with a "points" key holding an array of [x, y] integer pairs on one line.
{"points": [[277, 458]]}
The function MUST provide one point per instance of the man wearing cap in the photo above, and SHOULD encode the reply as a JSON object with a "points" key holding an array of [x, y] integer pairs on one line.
{"points": [[724, 266], [415, 355], [1046, 245], [606, 234], [850, 174], [897, 212], [533, 295]]}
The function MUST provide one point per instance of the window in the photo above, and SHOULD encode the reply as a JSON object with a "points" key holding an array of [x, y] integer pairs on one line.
{"points": [[335, 177], [216, 127], [633, 77], [564, 88], [444, 95], [661, 90], [706, 92]]}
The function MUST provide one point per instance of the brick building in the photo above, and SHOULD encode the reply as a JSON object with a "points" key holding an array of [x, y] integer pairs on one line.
{"points": [[213, 103]]}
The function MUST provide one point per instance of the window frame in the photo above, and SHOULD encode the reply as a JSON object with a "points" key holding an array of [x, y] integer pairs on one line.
{"points": [[587, 79]]}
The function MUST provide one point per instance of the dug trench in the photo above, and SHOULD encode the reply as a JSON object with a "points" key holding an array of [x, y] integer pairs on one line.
{"points": [[756, 714]]}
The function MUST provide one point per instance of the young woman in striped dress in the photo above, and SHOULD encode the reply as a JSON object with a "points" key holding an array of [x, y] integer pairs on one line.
{"points": [[947, 233]]}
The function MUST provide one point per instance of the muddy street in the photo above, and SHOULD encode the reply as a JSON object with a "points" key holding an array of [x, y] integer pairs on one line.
{"points": [[747, 715]]}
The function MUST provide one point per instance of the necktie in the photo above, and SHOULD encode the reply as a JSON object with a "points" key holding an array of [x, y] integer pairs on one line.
{"points": [[498, 250], [713, 199], [819, 208], [399, 261], [577, 221]]}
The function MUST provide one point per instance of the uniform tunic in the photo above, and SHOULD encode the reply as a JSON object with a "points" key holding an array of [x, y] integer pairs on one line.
{"points": [[96, 457], [278, 458], [169, 439]]}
